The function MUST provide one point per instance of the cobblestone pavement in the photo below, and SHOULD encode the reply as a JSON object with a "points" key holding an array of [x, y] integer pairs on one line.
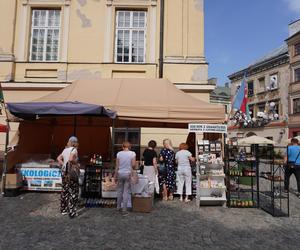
{"points": [[32, 221]]}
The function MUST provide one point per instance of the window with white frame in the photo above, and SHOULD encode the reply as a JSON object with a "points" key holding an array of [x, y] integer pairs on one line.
{"points": [[45, 31], [130, 39]]}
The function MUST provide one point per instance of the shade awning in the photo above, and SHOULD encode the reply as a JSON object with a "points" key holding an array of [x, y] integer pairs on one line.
{"points": [[148, 100], [254, 140], [29, 110]]}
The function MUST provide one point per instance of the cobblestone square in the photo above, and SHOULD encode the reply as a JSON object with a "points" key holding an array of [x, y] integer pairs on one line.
{"points": [[33, 221]]}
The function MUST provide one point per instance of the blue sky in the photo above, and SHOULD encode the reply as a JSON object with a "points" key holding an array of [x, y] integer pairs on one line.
{"points": [[237, 32]]}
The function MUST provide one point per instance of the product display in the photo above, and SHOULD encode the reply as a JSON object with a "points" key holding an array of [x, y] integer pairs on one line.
{"points": [[94, 202], [92, 182], [241, 203], [96, 160], [241, 179], [211, 189], [273, 198]]}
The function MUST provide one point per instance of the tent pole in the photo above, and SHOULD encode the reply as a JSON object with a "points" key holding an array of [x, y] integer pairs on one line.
{"points": [[5, 159], [112, 140], [75, 125]]}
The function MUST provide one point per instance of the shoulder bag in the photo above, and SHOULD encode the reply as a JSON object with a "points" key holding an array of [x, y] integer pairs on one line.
{"points": [[72, 170]]}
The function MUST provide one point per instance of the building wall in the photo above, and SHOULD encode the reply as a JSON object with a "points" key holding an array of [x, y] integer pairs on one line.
{"points": [[87, 45], [275, 129], [294, 86]]}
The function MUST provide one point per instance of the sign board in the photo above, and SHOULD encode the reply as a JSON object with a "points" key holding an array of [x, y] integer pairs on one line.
{"points": [[41, 179], [207, 128]]}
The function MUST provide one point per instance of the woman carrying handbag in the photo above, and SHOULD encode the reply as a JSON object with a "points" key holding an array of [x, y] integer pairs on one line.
{"points": [[167, 175], [68, 160]]}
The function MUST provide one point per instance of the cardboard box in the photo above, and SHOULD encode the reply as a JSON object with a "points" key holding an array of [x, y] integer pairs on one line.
{"points": [[13, 181], [142, 204]]}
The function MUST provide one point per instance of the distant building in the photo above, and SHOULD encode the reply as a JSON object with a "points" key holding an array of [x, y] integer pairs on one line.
{"points": [[293, 43], [267, 81], [221, 95]]}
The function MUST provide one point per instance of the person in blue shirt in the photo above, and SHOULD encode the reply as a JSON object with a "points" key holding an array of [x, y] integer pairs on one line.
{"points": [[292, 164]]}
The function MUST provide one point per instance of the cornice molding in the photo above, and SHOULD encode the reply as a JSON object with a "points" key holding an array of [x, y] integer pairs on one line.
{"points": [[132, 2], [45, 2]]}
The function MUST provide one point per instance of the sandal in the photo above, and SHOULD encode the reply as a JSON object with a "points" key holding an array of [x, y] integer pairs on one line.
{"points": [[165, 198], [187, 200], [171, 197]]}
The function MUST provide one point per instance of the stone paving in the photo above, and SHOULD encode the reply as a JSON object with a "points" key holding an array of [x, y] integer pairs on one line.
{"points": [[32, 221]]}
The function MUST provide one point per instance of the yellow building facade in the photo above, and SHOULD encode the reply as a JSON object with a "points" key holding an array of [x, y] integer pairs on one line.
{"points": [[47, 44]]}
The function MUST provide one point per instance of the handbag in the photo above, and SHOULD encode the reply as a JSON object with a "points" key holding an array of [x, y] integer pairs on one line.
{"points": [[162, 169], [72, 171], [134, 178]]}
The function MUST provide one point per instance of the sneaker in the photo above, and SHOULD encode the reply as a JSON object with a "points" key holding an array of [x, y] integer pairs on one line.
{"points": [[64, 213], [73, 215], [187, 200], [171, 197], [125, 213]]}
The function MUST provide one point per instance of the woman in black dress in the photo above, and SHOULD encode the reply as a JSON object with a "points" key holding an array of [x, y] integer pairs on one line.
{"points": [[167, 178], [150, 164]]}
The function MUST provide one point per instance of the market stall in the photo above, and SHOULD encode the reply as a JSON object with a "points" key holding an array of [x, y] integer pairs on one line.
{"points": [[210, 176], [147, 103]]}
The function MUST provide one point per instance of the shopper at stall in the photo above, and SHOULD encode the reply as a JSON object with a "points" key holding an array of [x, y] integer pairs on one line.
{"points": [[183, 158], [70, 187], [292, 164], [126, 160], [167, 175], [150, 164]]}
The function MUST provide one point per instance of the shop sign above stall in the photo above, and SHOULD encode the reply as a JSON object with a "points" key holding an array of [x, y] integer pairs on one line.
{"points": [[207, 128]]}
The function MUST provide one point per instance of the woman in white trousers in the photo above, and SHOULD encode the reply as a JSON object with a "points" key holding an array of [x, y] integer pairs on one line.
{"points": [[183, 158]]}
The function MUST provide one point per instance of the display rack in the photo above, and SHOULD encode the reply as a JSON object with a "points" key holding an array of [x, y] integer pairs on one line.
{"points": [[273, 198], [241, 177], [211, 189], [92, 182]]}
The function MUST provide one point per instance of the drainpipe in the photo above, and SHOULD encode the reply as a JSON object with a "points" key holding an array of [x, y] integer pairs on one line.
{"points": [[161, 39]]}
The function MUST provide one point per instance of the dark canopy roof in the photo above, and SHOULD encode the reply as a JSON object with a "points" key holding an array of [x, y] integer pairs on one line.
{"points": [[29, 110]]}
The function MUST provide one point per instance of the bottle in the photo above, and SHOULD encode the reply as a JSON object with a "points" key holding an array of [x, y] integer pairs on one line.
{"points": [[100, 160], [94, 159]]}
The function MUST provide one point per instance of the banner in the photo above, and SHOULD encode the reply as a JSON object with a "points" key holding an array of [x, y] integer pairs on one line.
{"points": [[41, 179], [207, 128]]}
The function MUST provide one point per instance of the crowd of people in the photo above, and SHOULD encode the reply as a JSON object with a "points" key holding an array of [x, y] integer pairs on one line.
{"points": [[160, 169]]}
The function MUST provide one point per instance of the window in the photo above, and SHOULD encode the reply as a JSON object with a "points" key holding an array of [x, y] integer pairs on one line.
{"points": [[45, 29], [261, 107], [297, 49], [296, 105], [262, 84], [127, 134], [130, 37], [251, 110], [297, 74], [250, 89], [273, 82]]}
